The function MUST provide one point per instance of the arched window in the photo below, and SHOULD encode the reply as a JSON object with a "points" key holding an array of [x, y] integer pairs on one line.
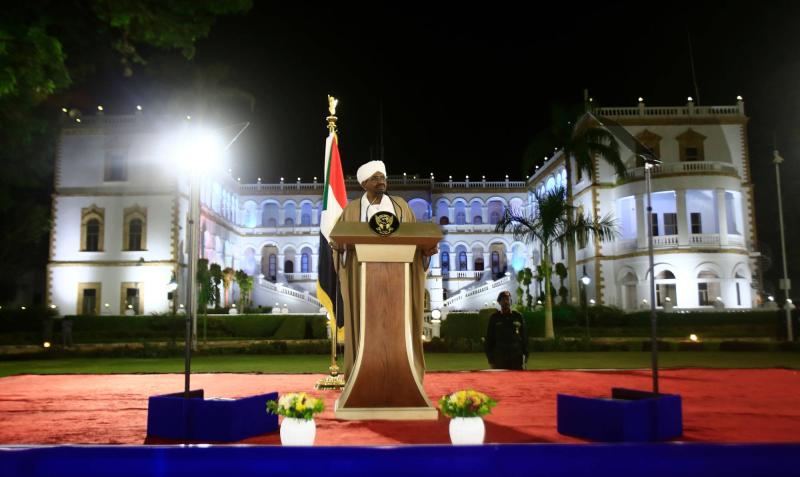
{"points": [[445, 259], [269, 215], [289, 213], [305, 214], [304, 263], [444, 220], [666, 288], [92, 235], [288, 266], [135, 228], [708, 288], [92, 229], [461, 213], [135, 234], [272, 268], [495, 263], [479, 263], [462, 261]]}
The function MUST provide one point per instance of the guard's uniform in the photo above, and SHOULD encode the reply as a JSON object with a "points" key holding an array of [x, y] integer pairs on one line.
{"points": [[506, 341]]}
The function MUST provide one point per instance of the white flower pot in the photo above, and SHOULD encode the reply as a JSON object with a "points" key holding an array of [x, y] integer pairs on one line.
{"points": [[298, 432], [467, 430]]}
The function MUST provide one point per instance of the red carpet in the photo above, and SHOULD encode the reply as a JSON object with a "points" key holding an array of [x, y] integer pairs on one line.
{"points": [[718, 405]]}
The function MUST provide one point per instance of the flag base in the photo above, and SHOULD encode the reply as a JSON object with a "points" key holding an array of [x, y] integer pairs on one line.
{"points": [[330, 382]]}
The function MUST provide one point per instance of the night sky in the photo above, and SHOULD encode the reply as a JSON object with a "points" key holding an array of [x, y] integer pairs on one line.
{"points": [[464, 89]]}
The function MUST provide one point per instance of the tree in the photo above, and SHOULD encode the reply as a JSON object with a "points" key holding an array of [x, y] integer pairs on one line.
{"points": [[228, 276], [550, 226], [581, 138], [48, 50], [216, 276], [205, 293], [561, 272], [245, 283]]}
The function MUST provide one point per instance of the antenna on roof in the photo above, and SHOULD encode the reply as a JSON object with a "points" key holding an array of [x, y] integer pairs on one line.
{"points": [[691, 64]]}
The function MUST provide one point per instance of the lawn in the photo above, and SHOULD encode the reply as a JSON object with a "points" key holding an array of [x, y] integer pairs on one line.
{"points": [[435, 362]]}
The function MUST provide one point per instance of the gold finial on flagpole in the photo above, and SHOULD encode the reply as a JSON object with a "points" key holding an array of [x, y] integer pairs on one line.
{"points": [[332, 102]]}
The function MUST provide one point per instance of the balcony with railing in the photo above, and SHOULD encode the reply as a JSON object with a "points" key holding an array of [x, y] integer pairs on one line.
{"points": [[673, 241], [300, 277], [689, 110], [699, 167]]}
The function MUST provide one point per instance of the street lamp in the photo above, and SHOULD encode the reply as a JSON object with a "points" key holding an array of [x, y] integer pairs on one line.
{"points": [[585, 281], [197, 151], [785, 283]]}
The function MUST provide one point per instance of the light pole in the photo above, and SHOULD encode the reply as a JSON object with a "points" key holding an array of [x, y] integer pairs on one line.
{"points": [[785, 283], [648, 165], [585, 281], [197, 150]]}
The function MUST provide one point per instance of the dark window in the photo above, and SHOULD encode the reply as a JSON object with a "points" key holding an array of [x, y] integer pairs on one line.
{"points": [[304, 263], [89, 301], [479, 264], [665, 290], [477, 219], [288, 221], [305, 219], [272, 268], [462, 261], [670, 223], [445, 258], [697, 222], [288, 266], [495, 263], [691, 154], [655, 224], [135, 234], [93, 235], [494, 217], [132, 299], [444, 220], [702, 294], [116, 167]]}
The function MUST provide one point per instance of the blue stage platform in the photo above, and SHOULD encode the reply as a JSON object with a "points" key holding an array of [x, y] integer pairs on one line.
{"points": [[575, 460]]}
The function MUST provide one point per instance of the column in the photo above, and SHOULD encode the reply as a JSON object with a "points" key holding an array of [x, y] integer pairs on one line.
{"points": [[281, 215], [487, 265], [683, 225], [451, 214], [641, 222], [485, 213], [314, 263], [722, 216], [470, 265], [298, 211]]}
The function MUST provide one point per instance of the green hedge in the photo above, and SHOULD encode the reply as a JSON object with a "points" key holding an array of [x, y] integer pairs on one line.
{"points": [[605, 321], [33, 329]]}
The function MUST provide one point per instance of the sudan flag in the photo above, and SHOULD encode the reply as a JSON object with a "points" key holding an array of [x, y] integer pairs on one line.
{"points": [[334, 198]]}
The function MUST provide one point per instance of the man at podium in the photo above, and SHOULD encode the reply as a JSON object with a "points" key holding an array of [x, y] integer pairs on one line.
{"points": [[372, 177]]}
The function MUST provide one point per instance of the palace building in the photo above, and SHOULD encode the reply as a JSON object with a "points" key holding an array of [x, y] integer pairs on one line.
{"points": [[120, 212]]}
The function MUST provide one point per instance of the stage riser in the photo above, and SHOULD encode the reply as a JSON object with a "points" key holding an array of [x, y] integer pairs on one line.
{"points": [[595, 460]]}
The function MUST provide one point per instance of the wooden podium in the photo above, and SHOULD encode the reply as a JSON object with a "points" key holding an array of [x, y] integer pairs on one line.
{"points": [[384, 383]]}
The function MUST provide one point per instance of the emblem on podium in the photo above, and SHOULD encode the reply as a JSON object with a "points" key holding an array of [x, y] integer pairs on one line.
{"points": [[384, 223]]}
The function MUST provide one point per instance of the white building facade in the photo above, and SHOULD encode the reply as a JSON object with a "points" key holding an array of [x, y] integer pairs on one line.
{"points": [[703, 224], [120, 219]]}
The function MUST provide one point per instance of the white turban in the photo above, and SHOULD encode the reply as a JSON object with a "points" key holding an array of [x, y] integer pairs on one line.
{"points": [[367, 170]]}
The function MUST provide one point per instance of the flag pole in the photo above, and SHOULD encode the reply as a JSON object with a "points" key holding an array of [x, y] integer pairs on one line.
{"points": [[334, 380]]}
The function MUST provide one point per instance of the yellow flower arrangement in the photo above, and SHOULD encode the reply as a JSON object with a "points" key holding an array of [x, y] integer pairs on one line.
{"points": [[296, 405], [466, 403]]}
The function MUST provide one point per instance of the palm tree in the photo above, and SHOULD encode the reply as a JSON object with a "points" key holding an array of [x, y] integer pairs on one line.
{"points": [[554, 222], [581, 137]]}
